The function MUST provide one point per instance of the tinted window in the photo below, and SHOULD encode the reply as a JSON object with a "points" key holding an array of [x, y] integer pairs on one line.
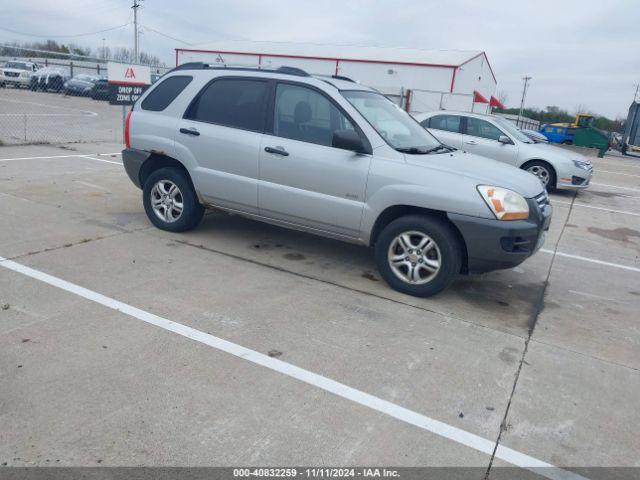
{"points": [[482, 128], [303, 114], [450, 123], [165, 93], [232, 102]]}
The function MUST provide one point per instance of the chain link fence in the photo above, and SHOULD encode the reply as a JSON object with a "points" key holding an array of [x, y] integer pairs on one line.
{"points": [[53, 101]]}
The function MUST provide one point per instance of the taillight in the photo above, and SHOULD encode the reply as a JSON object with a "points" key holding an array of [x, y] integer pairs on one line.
{"points": [[127, 142]]}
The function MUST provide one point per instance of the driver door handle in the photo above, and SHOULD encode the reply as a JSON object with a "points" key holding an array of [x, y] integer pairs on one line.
{"points": [[471, 142], [277, 151], [190, 131]]}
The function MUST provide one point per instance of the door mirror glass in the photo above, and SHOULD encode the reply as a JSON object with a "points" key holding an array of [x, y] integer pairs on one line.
{"points": [[348, 140], [504, 139]]}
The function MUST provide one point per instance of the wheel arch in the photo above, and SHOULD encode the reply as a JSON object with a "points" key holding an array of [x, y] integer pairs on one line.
{"points": [[155, 161], [531, 161], [394, 212]]}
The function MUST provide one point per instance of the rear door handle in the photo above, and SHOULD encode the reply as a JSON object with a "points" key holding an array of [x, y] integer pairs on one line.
{"points": [[277, 151], [190, 131], [471, 142]]}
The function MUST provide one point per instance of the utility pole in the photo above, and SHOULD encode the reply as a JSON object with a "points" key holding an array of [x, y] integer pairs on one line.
{"points": [[524, 94], [135, 7], [104, 50]]}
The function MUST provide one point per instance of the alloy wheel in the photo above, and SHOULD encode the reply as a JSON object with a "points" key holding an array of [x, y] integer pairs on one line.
{"points": [[166, 201], [414, 257]]}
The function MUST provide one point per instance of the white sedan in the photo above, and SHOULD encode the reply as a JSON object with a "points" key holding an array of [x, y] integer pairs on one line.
{"points": [[497, 138]]}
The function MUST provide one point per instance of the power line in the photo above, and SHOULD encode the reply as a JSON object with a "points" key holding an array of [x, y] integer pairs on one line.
{"points": [[64, 36], [165, 35]]}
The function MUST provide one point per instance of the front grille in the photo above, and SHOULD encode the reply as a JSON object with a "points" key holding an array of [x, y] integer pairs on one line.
{"points": [[542, 200]]}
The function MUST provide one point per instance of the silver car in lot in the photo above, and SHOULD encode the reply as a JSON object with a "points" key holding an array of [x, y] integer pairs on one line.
{"points": [[497, 138], [330, 157]]}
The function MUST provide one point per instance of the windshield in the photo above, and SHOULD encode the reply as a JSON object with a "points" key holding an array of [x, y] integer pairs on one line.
{"points": [[22, 66], [512, 130], [395, 125]]}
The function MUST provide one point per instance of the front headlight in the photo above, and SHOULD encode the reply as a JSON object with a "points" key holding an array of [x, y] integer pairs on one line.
{"points": [[505, 204], [24, 74], [582, 165]]}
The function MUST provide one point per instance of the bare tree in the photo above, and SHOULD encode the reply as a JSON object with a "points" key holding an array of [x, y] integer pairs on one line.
{"points": [[502, 97]]}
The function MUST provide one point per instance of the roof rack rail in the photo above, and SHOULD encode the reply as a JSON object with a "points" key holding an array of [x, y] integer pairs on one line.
{"points": [[341, 77], [292, 71], [223, 66]]}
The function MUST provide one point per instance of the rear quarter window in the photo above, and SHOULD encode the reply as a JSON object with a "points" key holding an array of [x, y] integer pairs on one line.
{"points": [[165, 92]]}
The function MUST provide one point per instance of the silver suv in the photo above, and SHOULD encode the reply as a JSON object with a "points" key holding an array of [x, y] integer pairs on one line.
{"points": [[331, 157]]}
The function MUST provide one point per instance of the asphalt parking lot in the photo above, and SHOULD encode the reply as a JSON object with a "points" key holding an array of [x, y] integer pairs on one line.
{"points": [[241, 343]]}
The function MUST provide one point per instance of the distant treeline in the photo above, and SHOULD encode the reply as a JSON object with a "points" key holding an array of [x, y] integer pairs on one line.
{"points": [[553, 114], [53, 49]]}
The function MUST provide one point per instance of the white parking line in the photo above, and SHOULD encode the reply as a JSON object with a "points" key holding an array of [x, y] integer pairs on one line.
{"points": [[591, 260], [45, 105], [437, 427], [100, 159], [57, 156], [583, 205], [619, 173], [616, 186]]}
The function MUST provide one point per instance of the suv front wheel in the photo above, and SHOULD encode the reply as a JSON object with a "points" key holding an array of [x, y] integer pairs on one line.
{"points": [[170, 200], [418, 255]]}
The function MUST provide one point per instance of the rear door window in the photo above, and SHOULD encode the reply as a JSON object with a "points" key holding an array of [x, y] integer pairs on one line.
{"points": [[448, 123], [232, 102], [165, 93], [483, 129]]}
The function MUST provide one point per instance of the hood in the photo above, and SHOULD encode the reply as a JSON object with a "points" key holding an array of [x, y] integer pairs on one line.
{"points": [[482, 170], [546, 151]]}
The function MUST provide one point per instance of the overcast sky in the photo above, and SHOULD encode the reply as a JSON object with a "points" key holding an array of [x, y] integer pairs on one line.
{"points": [[583, 53]]}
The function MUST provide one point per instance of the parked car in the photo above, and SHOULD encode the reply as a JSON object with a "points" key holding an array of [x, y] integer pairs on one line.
{"points": [[100, 90], [537, 137], [81, 84], [49, 79], [330, 157], [494, 137], [17, 73]]}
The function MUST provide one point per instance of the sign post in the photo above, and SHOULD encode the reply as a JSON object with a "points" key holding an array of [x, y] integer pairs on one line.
{"points": [[126, 83]]}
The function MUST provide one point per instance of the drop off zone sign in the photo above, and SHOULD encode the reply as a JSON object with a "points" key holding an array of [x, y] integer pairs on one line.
{"points": [[127, 82]]}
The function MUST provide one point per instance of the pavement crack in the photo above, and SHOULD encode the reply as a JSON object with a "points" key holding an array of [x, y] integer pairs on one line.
{"points": [[535, 314], [73, 244], [345, 287]]}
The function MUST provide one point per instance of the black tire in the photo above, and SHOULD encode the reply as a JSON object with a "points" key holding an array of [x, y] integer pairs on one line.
{"points": [[448, 249], [551, 184], [192, 210]]}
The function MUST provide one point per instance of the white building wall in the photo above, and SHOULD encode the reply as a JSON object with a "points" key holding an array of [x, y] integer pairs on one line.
{"points": [[430, 85], [475, 76]]}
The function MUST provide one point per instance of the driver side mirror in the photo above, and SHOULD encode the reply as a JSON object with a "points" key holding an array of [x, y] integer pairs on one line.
{"points": [[349, 140], [505, 140]]}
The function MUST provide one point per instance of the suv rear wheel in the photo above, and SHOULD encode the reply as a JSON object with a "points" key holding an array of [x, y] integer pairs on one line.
{"points": [[170, 200], [418, 255]]}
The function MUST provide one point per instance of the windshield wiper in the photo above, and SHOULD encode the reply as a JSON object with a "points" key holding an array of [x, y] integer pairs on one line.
{"points": [[412, 150], [442, 146]]}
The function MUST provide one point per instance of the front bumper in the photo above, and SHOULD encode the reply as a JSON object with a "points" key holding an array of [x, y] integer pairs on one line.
{"points": [[573, 178], [495, 244], [18, 81]]}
